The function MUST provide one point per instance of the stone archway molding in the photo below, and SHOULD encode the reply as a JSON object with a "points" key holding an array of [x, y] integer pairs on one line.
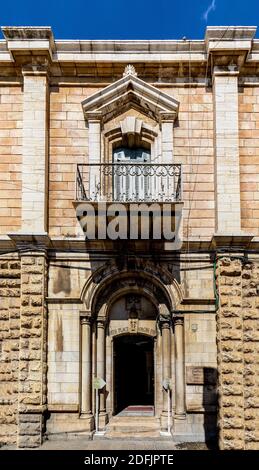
{"points": [[109, 282]]}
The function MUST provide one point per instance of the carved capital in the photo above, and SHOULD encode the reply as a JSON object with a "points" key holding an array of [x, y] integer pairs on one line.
{"points": [[86, 320], [101, 323], [178, 320], [165, 324]]}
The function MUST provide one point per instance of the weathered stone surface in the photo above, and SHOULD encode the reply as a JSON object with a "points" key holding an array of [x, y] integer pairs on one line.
{"points": [[9, 335], [33, 339], [238, 349], [23, 289]]}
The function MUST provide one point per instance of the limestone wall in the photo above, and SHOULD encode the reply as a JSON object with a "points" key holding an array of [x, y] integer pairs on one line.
{"points": [[68, 147], [249, 158], [10, 162], [194, 148], [238, 348]]}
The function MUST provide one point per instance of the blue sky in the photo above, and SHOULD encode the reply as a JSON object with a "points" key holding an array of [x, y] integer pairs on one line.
{"points": [[129, 19]]}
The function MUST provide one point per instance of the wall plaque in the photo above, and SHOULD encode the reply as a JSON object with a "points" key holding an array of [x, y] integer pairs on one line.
{"points": [[201, 375]]}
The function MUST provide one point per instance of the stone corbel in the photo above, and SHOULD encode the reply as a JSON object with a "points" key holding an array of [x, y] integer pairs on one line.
{"points": [[229, 45], [30, 41], [167, 117]]}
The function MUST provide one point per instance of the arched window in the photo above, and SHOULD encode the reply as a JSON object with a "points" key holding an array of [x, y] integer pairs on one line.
{"points": [[131, 180]]}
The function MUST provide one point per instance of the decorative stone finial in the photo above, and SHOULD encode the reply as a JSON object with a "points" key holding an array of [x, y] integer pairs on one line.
{"points": [[129, 70]]}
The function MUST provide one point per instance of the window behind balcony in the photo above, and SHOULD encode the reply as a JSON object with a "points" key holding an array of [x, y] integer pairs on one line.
{"points": [[130, 178]]}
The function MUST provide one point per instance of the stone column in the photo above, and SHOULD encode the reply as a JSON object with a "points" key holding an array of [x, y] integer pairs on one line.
{"points": [[35, 150], [86, 382], [94, 139], [101, 359], [227, 171], [179, 368], [166, 365], [32, 349]]}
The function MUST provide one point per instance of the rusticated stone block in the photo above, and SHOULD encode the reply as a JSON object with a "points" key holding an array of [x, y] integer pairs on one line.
{"points": [[29, 441], [252, 436], [36, 301], [251, 314], [232, 423], [231, 345], [233, 390], [230, 312], [251, 445], [232, 356], [251, 336]]}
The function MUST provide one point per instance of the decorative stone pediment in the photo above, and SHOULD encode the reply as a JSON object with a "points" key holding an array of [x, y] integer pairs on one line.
{"points": [[130, 92]]}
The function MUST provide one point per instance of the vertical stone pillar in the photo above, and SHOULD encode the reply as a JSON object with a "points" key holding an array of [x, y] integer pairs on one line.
{"points": [[167, 153], [86, 369], [165, 326], [35, 150], [94, 139], [230, 354], [179, 368], [167, 144], [250, 310], [33, 348], [101, 360], [227, 180]]}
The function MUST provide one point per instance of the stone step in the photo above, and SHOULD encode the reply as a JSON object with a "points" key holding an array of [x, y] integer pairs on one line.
{"points": [[134, 420], [133, 425], [132, 436]]}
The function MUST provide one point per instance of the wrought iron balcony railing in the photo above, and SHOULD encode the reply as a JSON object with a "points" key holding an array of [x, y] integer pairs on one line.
{"points": [[128, 182]]}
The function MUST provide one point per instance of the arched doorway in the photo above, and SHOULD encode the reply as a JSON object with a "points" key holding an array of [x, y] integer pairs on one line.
{"points": [[134, 374]]}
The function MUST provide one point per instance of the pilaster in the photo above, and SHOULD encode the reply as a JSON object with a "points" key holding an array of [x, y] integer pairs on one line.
{"points": [[35, 150], [227, 170], [32, 390]]}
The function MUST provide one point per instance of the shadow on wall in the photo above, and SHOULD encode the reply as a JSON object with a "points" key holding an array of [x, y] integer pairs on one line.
{"points": [[210, 404]]}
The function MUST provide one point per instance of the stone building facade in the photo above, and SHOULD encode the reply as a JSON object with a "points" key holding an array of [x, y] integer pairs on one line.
{"points": [[140, 314]]}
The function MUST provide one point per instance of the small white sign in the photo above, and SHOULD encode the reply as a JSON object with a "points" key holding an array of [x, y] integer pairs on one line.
{"points": [[99, 383]]}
